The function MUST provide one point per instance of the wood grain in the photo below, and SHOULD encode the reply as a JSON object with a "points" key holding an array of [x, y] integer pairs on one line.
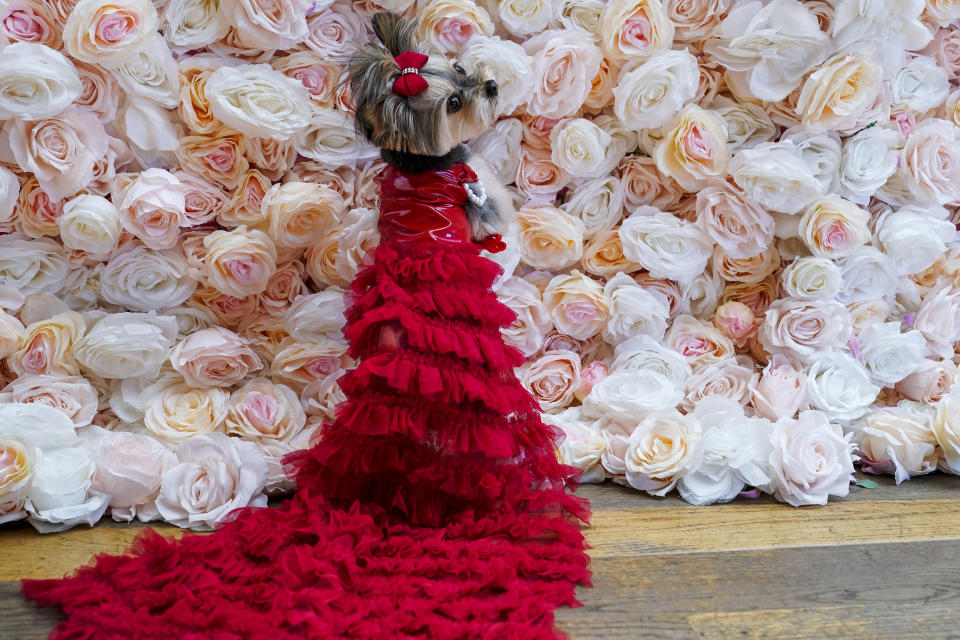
{"points": [[883, 563]]}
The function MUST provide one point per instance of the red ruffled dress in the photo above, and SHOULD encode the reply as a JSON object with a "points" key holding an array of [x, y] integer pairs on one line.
{"points": [[433, 506]]}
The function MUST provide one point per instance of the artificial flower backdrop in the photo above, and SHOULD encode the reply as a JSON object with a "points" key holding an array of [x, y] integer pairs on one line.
{"points": [[735, 263]]}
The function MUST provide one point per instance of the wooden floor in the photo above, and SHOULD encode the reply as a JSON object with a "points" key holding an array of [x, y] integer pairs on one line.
{"points": [[883, 563]]}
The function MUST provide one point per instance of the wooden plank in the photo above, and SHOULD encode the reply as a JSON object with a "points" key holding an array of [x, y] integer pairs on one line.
{"points": [[21, 620], [895, 585]]}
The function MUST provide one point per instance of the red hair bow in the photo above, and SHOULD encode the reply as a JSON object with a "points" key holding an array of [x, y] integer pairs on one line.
{"points": [[410, 82]]}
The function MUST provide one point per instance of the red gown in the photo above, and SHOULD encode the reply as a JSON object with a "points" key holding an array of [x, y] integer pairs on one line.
{"points": [[433, 506]]}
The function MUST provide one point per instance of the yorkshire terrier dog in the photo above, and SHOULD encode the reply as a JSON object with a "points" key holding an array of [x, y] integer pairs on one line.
{"points": [[421, 113]]}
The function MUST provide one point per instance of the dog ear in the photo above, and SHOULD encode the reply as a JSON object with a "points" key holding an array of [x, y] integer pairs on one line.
{"points": [[397, 34]]}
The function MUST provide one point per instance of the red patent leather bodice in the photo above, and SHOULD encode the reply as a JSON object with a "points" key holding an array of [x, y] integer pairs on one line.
{"points": [[427, 206]]}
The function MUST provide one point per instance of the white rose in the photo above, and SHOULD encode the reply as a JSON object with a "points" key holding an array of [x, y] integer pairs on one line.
{"points": [[499, 146], [142, 279], [665, 245], [598, 203], [651, 93], [821, 151], [258, 101], [633, 310], [775, 175], [665, 447], [331, 140], [582, 445], [839, 386], [747, 124], [129, 397], [38, 82], [150, 73], [868, 274], [193, 24], [358, 235], [90, 223], [920, 85], [913, 240], [627, 394], [533, 320], [508, 64], [810, 460], [897, 440], [316, 316], [645, 353], [812, 278], [127, 345], [268, 27], [928, 172], [735, 452], [578, 146], [702, 294], [869, 159], [214, 475], [805, 329], [58, 496], [149, 127], [888, 22], [9, 195], [890, 356], [773, 46], [32, 266]]}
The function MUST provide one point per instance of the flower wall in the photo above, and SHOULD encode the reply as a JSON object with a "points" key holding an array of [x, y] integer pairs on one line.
{"points": [[735, 261]]}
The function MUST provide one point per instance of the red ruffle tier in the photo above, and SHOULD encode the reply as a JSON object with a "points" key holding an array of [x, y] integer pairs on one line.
{"points": [[433, 506]]}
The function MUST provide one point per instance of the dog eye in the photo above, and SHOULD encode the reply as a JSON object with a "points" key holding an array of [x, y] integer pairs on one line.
{"points": [[453, 104], [458, 69]]}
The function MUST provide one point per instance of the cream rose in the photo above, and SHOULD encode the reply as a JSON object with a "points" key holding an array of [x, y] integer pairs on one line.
{"points": [[258, 101], [553, 378], [840, 91], [805, 329], [239, 262], [634, 29], [331, 140], [179, 412], [508, 64], [358, 236], [730, 379], [661, 450], [533, 320], [598, 203], [299, 364], [50, 346], [449, 25], [213, 475], [90, 223], [104, 32], [646, 353], [150, 73], [564, 63], [300, 214], [38, 82], [665, 245], [896, 440], [127, 345], [577, 305], [193, 24], [17, 464], [833, 227], [268, 26], [578, 146], [32, 266], [651, 94], [812, 278], [912, 239], [698, 342], [694, 150], [549, 238], [142, 280], [72, 395], [810, 460]]}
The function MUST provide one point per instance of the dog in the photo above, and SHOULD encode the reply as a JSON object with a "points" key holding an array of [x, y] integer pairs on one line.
{"points": [[427, 130]]}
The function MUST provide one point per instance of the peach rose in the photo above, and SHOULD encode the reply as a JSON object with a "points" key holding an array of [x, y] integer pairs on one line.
{"points": [[17, 464], [450, 24], [839, 91], [700, 343], [214, 357], [30, 21], [47, 347], [60, 151], [301, 214], [666, 290], [299, 364], [577, 305], [751, 270], [239, 262], [538, 176], [564, 64], [644, 185], [694, 149], [553, 378], [359, 235], [283, 288], [603, 255], [549, 238], [321, 262], [216, 157], [633, 29], [663, 448], [736, 321], [72, 395], [320, 399], [194, 106], [12, 334], [693, 20], [245, 206], [180, 412], [929, 383], [203, 200], [264, 335], [780, 390], [833, 227], [601, 87], [267, 26], [106, 33], [730, 379], [263, 411], [153, 208]]}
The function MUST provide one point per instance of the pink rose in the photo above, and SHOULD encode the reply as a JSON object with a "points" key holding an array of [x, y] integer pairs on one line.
{"points": [[740, 226], [930, 382], [805, 329], [564, 64], [239, 262], [577, 305], [153, 208], [945, 47], [538, 176], [263, 411], [299, 364], [27, 21], [334, 31], [736, 321], [553, 379], [227, 309], [283, 288], [591, 375], [731, 379], [214, 357], [780, 391], [643, 184], [811, 460], [699, 343], [450, 24], [72, 395], [245, 205], [203, 200]]}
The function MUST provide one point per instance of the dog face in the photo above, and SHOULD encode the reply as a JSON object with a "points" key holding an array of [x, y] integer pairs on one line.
{"points": [[457, 105]]}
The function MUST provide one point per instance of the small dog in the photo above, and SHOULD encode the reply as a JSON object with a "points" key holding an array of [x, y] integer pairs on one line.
{"points": [[426, 131]]}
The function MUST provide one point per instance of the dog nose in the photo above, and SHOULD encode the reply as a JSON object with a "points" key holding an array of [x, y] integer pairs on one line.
{"points": [[490, 88]]}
